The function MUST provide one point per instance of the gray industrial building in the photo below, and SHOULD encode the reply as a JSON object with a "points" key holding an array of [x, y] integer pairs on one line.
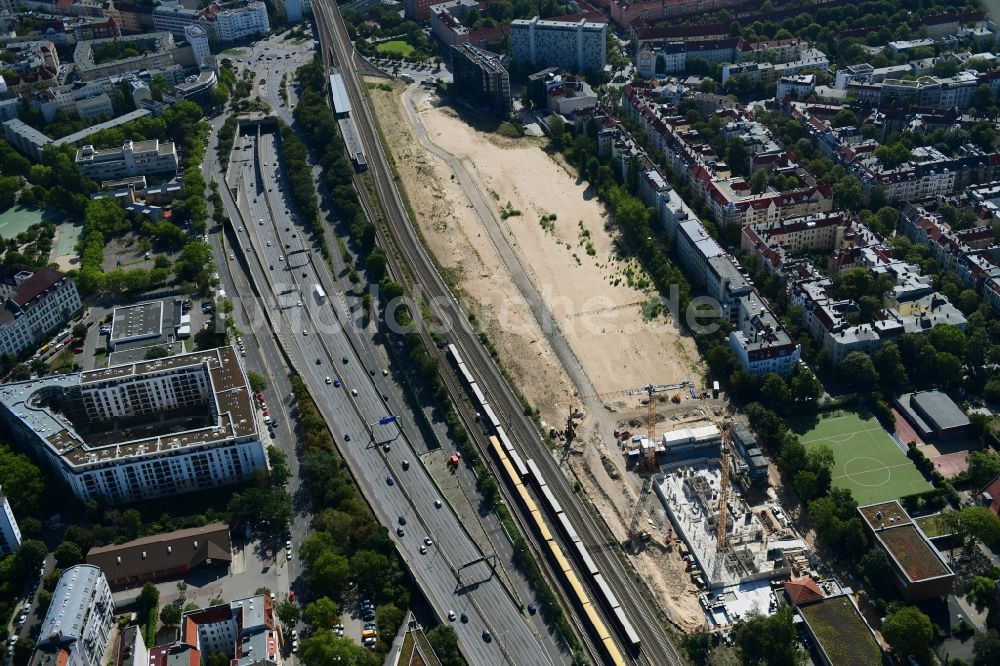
{"points": [[933, 414]]}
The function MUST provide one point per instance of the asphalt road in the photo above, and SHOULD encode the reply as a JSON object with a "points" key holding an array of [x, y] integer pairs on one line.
{"points": [[312, 332]]}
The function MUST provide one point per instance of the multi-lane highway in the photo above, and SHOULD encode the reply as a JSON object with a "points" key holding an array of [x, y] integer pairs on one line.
{"points": [[635, 597], [322, 342]]}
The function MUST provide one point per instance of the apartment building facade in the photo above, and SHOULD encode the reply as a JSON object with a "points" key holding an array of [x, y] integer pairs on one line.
{"points": [[35, 305], [10, 533], [481, 78], [79, 620], [578, 47], [175, 436], [135, 158]]}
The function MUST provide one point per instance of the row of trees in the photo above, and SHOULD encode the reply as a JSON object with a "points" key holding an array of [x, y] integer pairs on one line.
{"points": [[315, 120], [348, 551]]}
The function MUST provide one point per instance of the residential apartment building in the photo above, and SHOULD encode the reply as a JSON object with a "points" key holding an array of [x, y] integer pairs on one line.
{"points": [[35, 304], [172, 17], [578, 47], [10, 533], [767, 74], [78, 622], [729, 198], [231, 24], [192, 426], [244, 630], [135, 158], [481, 78], [911, 305], [759, 342], [157, 50], [418, 10]]}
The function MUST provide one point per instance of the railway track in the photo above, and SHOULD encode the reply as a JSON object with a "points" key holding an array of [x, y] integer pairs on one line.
{"points": [[642, 610]]}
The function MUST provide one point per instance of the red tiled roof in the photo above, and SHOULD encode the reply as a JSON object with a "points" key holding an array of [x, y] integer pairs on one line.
{"points": [[993, 488], [803, 590]]}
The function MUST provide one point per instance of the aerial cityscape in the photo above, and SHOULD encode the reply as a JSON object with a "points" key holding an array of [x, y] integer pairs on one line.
{"points": [[473, 332]]}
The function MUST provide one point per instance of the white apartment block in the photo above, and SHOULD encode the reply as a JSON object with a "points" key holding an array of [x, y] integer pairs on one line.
{"points": [[230, 25], [131, 432], [79, 620], [10, 533], [197, 37], [35, 304], [577, 47], [135, 158]]}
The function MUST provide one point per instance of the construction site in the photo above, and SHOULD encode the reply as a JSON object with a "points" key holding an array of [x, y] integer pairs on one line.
{"points": [[714, 510]]}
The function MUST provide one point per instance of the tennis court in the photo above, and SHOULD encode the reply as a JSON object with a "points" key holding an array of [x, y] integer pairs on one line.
{"points": [[867, 461]]}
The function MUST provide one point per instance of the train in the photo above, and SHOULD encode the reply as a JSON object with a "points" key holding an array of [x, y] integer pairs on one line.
{"points": [[520, 472]]}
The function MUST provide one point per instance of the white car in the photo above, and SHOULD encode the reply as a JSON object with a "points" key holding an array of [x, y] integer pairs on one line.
{"points": [[451, 615], [328, 380], [354, 392]]}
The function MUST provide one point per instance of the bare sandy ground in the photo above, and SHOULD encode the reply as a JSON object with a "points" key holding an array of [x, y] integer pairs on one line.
{"points": [[595, 298], [570, 258]]}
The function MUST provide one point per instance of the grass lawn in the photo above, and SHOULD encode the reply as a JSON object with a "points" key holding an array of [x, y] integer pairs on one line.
{"points": [[867, 461], [396, 47], [933, 525]]}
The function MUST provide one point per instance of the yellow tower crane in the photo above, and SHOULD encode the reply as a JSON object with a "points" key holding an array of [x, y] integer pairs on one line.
{"points": [[720, 543]]}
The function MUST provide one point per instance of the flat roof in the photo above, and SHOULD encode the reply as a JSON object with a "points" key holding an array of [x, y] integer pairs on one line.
{"points": [[940, 409], [142, 320], [236, 418], [338, 93], [841, 632], [904, 542]]}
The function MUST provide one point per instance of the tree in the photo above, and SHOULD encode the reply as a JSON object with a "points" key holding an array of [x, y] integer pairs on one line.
{"points": [[444, 640], [23, 483], [170, 615], [980, 591], [986, 648], [984, 466], [698, 646], [768, 639], [68, 554], [217, 658], [983, 100], [888, 363], [845, 118], [858, 370], [774, 392], [974, 523], [322, 613], [158, 351], [758, 181], [288, 612], [737, 156], [323, 648], [908, 631], [257, 382], [372, 570], [278, 462], [387, 620], [805, 386], [149, 597]]}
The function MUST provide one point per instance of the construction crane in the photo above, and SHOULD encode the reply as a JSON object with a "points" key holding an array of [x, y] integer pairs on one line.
{"points": [[650, 390], [720, 543], [637, 511]]}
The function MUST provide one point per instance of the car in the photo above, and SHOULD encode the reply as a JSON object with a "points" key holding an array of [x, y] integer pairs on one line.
{"points": [[532, 608], [389, 480], [260, 221], [343, 359], [239, 229], [294, 235], [281, 258], [406, 464], [328, 380], [486, 636], [299, 304], [269, 243], [465, 618], [305, 331], [295, 633], [386, 447], [385, 373], [402, 520], [437, 504], [400, 531], [303, 274], [451, 615], [423, 551], [336, 383], [319, 362], [295, 645], [231, 257], [287, 228], [288, 555], [288, 246], [347, 437], [428, 541], [12, 639], [21, 620], [271, 267], [288, 544], [354, 392], [243, 354], [371, 372]]}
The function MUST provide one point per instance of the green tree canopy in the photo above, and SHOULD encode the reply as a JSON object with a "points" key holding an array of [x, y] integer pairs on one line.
{"points": [[908, 631]]}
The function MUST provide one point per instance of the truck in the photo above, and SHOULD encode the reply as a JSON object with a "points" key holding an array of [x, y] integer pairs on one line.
{"points": [[319, 293]]}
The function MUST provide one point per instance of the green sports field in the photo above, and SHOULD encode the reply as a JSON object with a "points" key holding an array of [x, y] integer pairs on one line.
{"points": [[867, 460]]}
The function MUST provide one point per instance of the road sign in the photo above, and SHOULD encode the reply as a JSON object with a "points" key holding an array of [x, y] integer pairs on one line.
{"points": [[387, 420]]}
